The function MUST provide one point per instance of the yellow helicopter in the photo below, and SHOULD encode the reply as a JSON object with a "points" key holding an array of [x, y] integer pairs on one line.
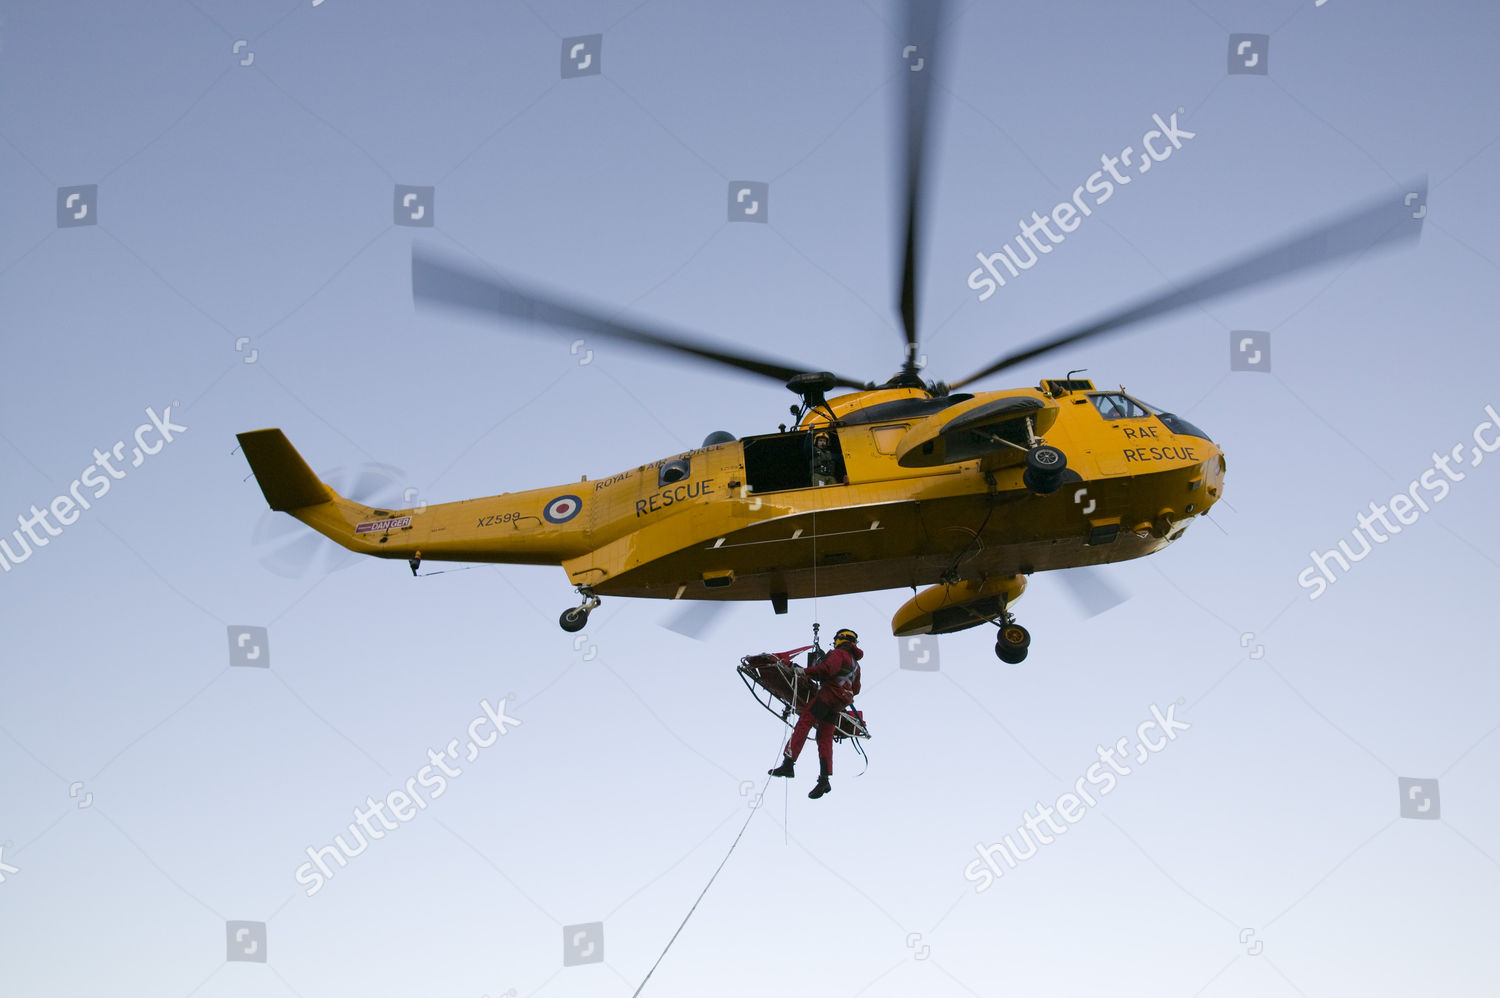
{"points": [[907, 484]]}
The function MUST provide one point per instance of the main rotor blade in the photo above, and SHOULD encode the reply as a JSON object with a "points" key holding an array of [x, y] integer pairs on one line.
{"points": [[1386, 221], [1091, 590], [435, 281], [696, 619], [920, 55]]}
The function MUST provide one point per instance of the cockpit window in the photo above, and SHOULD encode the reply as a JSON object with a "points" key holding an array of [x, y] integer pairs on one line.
{"points": [[1116, 405]]}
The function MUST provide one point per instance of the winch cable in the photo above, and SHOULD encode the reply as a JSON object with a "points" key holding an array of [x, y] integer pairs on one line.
{"points": [[445, 571], [816, 619], [702, 893], [817, 624]]}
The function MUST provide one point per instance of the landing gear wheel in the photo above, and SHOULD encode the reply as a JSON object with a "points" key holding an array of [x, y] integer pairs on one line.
{"points": [[1015, 635], [1009, 655], [1046, 460], [1044, 469], [1012, 643], [574, 619]]}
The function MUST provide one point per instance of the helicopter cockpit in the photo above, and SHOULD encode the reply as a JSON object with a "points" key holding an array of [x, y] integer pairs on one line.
{"points": [[1118, 405]]}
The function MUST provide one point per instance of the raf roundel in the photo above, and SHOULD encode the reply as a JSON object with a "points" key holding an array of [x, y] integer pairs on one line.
{"points": [[562, 509]]}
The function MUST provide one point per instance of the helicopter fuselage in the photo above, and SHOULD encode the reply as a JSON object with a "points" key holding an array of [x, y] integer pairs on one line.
{"points": [[787, 516]]}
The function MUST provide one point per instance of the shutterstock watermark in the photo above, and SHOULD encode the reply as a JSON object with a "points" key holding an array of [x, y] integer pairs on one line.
{"points": [[67, 508], [1424, 492], [404, 803], [1102, 777], [1157, 145]]}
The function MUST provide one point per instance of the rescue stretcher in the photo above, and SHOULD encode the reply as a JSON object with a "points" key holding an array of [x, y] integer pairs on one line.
{"points": [[773, 678]]}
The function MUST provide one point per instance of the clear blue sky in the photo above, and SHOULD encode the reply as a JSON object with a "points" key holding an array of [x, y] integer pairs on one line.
{"points": [[244, 207]]}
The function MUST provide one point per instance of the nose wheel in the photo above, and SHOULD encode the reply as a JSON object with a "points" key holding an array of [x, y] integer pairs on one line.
{"points": [[574, 618]]}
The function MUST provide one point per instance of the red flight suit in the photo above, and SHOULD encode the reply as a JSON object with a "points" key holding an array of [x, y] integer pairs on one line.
{"points": [[839, 676]]}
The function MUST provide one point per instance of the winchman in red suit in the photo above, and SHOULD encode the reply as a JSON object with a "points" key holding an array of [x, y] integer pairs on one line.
{"points": [[838, 683]]}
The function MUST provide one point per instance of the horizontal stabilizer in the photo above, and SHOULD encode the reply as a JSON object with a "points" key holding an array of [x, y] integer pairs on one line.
{"points": [[286, 480]]}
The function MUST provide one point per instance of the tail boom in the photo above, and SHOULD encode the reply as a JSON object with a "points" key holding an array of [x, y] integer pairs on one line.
{"points": [[511, 528]]}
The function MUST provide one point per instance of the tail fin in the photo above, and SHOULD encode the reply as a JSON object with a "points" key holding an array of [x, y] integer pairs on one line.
{"points": [[285, 479]]}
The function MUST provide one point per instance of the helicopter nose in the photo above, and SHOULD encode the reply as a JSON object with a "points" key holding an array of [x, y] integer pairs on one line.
{"points": [[1213, 476]]}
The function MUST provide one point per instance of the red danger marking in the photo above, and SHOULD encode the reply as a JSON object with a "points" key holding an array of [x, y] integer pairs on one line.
{"points": [[374, 525]]}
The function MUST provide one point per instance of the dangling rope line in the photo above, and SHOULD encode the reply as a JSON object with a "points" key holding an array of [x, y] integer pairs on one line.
{"points": [[815, 564], [861, 750], [445, 571], [705, 891]]}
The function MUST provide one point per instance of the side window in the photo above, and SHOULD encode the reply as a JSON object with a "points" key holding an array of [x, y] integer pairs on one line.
{"points": [[887, 437]]}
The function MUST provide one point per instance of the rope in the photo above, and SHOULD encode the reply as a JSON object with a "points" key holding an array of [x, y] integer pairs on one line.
{"points": [[816, 624], [815, 563], [422, 575], [700, 896], [861, 750]]}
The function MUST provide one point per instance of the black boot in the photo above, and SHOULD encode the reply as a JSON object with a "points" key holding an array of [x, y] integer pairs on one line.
{"points": [[785, 769], [822, 787]]}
